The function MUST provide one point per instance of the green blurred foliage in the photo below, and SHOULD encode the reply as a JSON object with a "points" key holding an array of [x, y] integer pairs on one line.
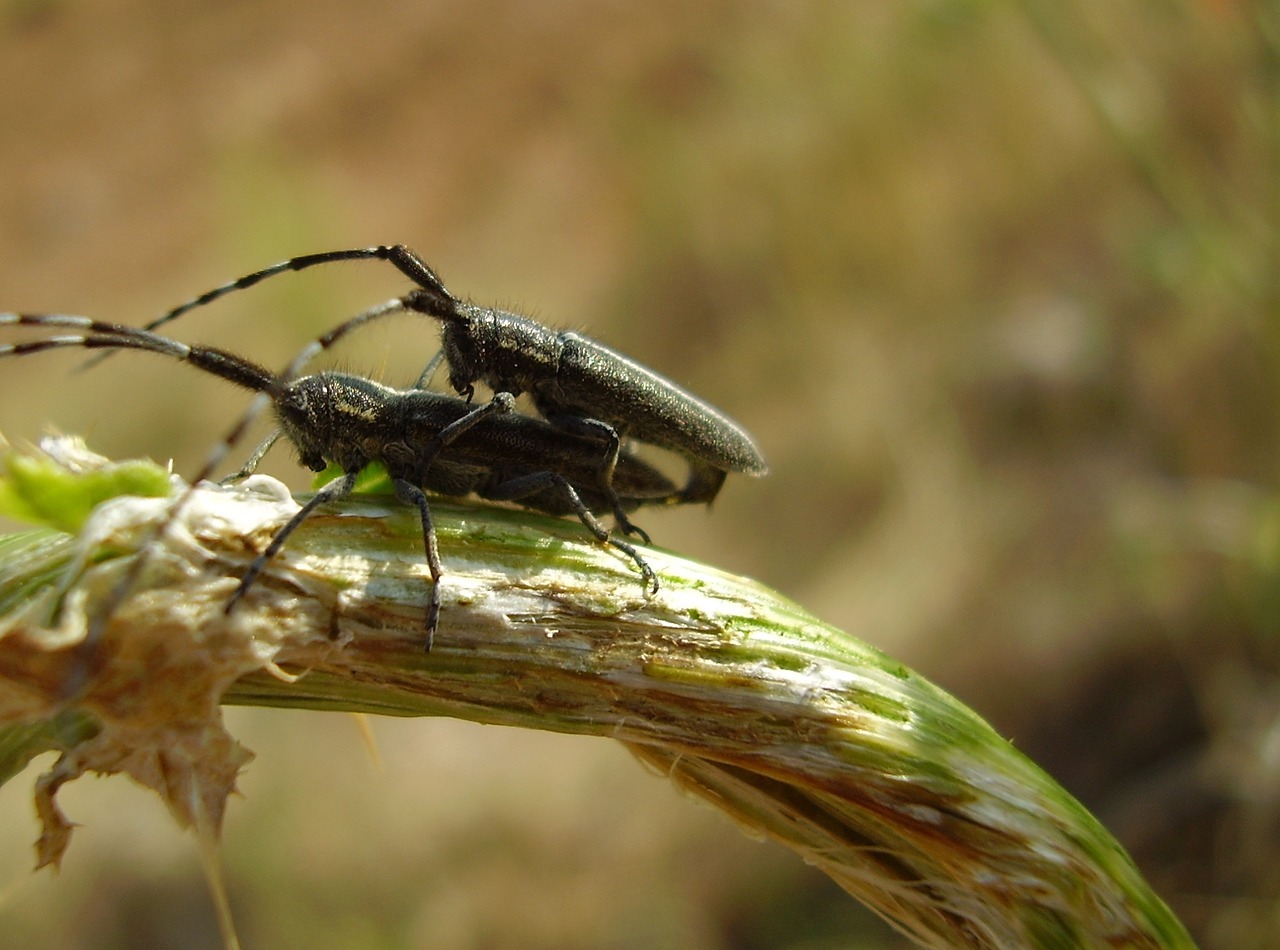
{"points": [[43, 493]]}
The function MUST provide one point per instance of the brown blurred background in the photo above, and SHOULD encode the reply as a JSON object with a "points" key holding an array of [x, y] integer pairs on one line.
{"points": [[994, 284]]}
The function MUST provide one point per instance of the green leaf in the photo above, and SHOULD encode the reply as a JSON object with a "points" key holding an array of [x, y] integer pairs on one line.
{"points": [[372, 480], [35, 489]]}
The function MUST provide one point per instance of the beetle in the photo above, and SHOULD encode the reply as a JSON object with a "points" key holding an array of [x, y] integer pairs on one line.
{"points": [[427, 441], [578, 384]]}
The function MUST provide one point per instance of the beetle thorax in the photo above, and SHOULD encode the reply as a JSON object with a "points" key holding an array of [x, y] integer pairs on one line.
{"points": [[507, 352]]}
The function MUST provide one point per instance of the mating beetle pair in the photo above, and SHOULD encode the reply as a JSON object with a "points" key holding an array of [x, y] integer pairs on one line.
{"points": [[575, 382], [573, 460]]}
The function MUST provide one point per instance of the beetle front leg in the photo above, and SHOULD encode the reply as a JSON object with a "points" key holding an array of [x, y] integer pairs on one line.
{"points": [[411, 494]]}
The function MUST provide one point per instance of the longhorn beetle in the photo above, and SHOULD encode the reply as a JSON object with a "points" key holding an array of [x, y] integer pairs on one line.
{"points": [[577, 384], [425, 440]]}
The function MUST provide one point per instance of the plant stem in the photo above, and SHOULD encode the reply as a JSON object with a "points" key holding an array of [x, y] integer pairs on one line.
{"points": [[909, 800]]}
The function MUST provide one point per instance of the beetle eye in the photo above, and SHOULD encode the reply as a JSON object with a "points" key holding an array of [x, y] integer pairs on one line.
{"points": [[292, 406]]}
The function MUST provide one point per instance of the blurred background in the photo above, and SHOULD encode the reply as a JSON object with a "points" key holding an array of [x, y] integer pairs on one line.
{"points": [[994, 284]]}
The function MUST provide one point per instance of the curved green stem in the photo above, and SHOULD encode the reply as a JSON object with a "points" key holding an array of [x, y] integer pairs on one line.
{"points": [[897, 791]]}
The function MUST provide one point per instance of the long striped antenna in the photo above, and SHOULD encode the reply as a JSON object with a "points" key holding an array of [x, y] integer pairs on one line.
{"points": [[430, 297]]}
